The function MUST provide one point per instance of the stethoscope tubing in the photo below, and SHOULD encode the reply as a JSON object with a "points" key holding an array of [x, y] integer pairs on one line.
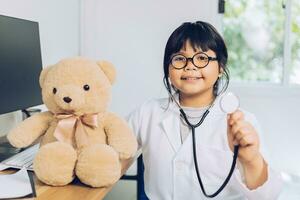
{"points": [[235, 155]]}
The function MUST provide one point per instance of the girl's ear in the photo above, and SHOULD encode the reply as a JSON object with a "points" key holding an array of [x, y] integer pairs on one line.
{"points": [[221, 71], [108, 69]]}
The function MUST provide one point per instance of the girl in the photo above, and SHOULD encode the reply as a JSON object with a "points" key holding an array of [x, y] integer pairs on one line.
{"points": [[194, 72]]}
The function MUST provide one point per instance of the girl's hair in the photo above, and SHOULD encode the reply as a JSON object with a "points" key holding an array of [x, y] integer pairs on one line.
{"points": [[201, 35]]}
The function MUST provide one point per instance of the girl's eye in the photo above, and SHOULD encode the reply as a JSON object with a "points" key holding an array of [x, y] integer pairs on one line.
{"points": [[54, 90], [179, 58], [202, 58], [86, 87]]}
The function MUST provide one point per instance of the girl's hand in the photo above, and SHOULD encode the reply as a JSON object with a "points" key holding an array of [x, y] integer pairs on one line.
{"points": [[241, 132]]}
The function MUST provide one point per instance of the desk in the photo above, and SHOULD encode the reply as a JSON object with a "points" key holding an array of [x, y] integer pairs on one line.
{"points": [[73, 191]]}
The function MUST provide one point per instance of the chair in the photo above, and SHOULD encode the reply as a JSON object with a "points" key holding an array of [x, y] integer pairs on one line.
{"points": [[139, 177]]}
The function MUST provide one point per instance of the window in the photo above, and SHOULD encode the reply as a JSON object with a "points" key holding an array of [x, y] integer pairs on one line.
{"points": [[262, 46], [295, 42]]}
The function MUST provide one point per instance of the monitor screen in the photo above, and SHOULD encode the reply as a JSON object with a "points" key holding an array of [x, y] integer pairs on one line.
{"points": [[20, 64]]}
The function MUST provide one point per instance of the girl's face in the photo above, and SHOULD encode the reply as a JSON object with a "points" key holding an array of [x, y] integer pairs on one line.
{"points": [[192, 80]]}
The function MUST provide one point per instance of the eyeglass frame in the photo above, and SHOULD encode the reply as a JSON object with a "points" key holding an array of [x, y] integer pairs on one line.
{"points": [[192, 60]]}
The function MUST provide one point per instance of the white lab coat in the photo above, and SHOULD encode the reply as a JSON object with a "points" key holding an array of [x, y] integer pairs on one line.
{"points": [[169, 168]]}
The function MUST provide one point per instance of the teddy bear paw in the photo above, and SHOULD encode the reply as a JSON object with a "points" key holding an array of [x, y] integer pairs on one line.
{"points": [[18, 139], [54, 163], [98, 166], [126, 155]]}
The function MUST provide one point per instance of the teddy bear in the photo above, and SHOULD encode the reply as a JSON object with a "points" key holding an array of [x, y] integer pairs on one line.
{"points": [[78, 135]]}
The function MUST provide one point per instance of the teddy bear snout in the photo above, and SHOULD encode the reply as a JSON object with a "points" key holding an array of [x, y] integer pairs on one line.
{"points": [[67, 99]]}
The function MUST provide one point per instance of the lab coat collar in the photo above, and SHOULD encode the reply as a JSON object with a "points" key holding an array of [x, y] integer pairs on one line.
{"points": [[170, 122]]}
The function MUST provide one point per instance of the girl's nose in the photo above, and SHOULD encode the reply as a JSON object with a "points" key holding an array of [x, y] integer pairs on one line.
{"points": [[190, 66]]}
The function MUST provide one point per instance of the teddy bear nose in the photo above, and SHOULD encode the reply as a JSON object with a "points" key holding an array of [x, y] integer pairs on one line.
{"points": [[67, 99]]}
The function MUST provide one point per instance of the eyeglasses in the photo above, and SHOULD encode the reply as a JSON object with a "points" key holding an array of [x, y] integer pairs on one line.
{"points": [[199, 60]]}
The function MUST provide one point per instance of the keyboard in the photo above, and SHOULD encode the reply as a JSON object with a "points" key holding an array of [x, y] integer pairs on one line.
{"points": [[22, 159]]}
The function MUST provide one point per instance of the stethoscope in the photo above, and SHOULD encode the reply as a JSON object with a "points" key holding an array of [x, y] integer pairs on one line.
{"points": [[229, 103]]}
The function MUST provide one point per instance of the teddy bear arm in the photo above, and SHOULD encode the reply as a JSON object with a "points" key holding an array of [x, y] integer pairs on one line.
{"points": [[120, 136], [29, 130]]}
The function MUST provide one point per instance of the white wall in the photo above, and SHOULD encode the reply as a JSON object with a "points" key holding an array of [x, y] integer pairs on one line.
{"points": [[132, 34], [59, 33]]}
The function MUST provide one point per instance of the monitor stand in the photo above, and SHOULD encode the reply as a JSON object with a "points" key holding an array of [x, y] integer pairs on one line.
{"points": [[29, 112]]}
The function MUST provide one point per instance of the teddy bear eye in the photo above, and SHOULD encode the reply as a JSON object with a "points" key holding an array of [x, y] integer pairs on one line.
{"points": [[86, 87], [54, 90]]}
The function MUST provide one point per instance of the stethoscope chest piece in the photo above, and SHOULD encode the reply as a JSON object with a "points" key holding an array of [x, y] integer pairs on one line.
{"points": [[229, 103]]}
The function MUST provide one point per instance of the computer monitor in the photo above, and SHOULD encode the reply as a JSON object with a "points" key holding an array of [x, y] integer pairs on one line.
{"points": [[20, 64]]}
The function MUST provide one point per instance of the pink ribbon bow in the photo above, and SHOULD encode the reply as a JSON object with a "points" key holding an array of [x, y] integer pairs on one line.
{"points": [[70, 128]]}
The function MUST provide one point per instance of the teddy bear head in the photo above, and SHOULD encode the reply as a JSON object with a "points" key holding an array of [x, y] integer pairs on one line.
{"points": [[77, 86]]}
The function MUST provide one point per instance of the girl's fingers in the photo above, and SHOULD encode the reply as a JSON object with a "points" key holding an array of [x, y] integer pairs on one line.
{"points": [[239, 135], [238, 126], [242, 133], [247, 140], [236, 116]]}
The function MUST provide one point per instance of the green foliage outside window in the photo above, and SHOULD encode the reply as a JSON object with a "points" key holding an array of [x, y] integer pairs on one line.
{"points": [[254, 34], [295, 41]]}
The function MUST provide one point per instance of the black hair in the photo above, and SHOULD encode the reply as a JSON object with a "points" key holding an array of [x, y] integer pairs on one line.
{"points": [[201, 35]]}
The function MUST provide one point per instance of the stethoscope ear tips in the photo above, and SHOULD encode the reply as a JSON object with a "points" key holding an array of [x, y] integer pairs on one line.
{"points": [[229, 103]]}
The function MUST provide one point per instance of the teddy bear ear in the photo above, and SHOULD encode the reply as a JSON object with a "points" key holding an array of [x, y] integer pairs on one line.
{"points": [[108, 69], [43, 74]]}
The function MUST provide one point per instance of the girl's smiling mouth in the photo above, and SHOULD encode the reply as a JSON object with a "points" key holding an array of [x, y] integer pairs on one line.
{"points": [[191, 78]]}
